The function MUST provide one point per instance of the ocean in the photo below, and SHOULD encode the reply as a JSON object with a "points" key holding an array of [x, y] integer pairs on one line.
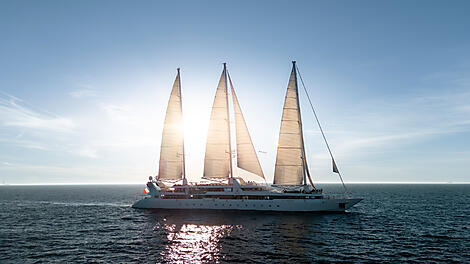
{"points": [[395, 223]]}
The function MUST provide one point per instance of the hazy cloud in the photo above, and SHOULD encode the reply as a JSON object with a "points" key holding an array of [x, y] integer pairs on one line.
{"points": [[83, 93], [87, 152], [15, 113]]}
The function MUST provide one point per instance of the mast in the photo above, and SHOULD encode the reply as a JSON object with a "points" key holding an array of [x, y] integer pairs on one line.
{"points": [[228, 121], [182, 124], [306, 173], [301, 136]]}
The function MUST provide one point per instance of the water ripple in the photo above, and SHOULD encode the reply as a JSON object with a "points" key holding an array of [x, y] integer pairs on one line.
{"points": [[81, 224]]}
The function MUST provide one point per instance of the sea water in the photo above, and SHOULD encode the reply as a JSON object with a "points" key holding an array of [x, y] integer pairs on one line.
{"points": [[78, 224]]}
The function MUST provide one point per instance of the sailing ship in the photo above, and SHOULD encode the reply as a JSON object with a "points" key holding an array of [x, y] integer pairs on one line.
{"points": [[292, 188]]}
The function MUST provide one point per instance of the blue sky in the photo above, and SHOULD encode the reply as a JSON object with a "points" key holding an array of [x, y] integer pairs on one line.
{"points": [[84, 84]]}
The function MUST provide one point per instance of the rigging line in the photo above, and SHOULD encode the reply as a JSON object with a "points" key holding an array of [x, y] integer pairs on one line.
{"points": [[321, 129], [251, 142], [229, 121]]}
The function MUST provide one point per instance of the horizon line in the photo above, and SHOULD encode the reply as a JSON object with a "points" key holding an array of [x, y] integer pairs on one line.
{"points": [[139, 183]]}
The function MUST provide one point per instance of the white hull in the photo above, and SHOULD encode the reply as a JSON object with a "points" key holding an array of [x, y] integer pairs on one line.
{"points": [[293, 205]]}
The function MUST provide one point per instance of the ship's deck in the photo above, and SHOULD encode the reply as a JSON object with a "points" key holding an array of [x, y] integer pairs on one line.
{"points": [[242, 192]]}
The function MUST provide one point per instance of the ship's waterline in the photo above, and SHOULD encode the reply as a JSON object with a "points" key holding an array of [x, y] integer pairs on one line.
{"points": [[291, 205]]}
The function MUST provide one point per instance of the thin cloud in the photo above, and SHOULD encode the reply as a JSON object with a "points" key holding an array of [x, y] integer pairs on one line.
{"points": [[87, 152], [399, 122], [55, 173], [29, 144], [119, 112], [14, 113], [85, 92]]}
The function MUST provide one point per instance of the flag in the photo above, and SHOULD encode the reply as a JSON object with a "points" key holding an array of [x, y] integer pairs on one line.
{"points": [[335, 169], [146, 191]]}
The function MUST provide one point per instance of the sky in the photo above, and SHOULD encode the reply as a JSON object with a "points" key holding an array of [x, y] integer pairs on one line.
{"points": [[84, 85]]}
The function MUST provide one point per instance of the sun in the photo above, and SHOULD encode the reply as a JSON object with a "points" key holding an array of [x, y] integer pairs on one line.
{"points": [[196, 122]]}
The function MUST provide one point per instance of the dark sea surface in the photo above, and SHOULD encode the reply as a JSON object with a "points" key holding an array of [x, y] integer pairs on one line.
{"points": [[83, 224]]}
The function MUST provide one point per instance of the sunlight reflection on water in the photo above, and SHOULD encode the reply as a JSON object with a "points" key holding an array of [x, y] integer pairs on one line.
{"points": [[194, 243], [214, 237]]}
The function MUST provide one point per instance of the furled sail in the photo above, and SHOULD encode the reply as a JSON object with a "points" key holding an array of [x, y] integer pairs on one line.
{"points": [[246, 154], [289, 169], [217, 161], [171, 166]]}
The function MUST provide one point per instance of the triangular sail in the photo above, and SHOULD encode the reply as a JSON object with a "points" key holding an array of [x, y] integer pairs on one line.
{"points": [[246, 154], [172, 147], [217, 161], [289, 169]]}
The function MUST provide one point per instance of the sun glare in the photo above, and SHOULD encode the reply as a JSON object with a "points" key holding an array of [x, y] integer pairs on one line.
{"points": [[196, 122]]}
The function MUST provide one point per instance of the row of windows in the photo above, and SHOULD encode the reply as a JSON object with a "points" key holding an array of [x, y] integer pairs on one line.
{"points": [[197, 190], [230, 205], [237, 197]]}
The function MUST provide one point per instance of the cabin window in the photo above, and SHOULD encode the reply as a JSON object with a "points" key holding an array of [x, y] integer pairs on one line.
{"points": [[342, 205]]}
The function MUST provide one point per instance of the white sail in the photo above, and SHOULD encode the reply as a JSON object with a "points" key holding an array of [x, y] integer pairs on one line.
{"points": [[289, 169], [172, 147], [217, 161], [246, 154]]}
